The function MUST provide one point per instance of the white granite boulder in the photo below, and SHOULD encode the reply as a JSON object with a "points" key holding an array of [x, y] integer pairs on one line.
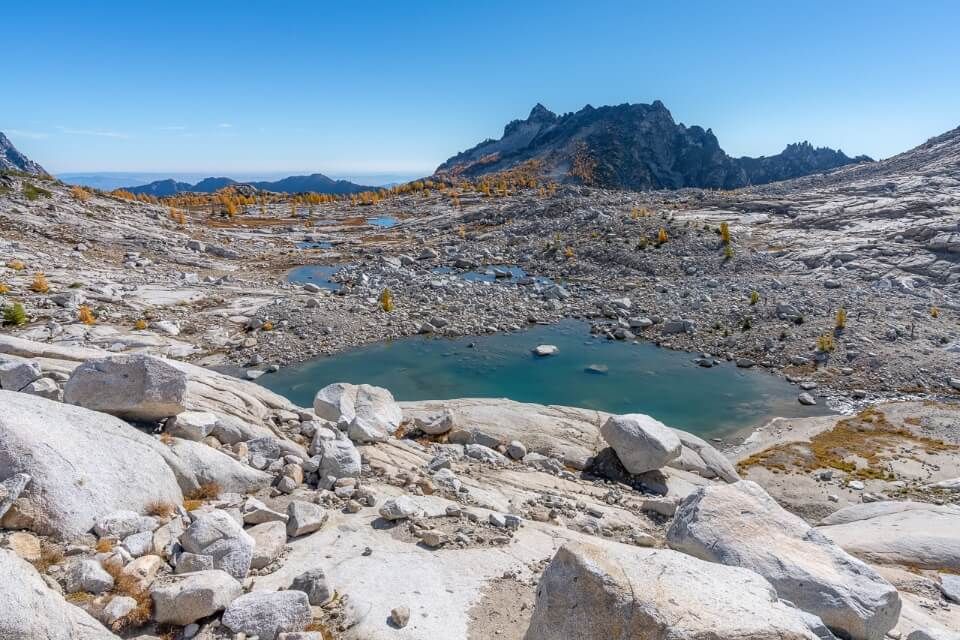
{"points": [[641, 443], [135, 387]]}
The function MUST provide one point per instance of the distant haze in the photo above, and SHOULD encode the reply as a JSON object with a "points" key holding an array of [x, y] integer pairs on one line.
{"points": [[109, 180]]}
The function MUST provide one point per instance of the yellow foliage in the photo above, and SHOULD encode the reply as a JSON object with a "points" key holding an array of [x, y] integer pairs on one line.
{"points": [[4, 288], [934, 312], [841, 319], [725, 233], [754, 297], [17, 265], [140, 324], [79, 193], [568, 252], [662, 236], [386, 300], [267, 326], [825, 343], [40, 284], [85, 315]]}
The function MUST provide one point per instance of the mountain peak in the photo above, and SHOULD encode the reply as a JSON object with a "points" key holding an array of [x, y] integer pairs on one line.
{"points": [[12, 160], [633, 146]]}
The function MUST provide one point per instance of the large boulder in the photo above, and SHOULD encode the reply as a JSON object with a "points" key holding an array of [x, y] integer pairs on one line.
{"points": [[185, 598], [741, 525], [135, 387], [569, 434], [370, 413], [913, 534], [202, 464], [338, 458], [30, 609], [700, 457], [266, 615], [218, 535], [624, 593], [642, 443], [83, 465]]}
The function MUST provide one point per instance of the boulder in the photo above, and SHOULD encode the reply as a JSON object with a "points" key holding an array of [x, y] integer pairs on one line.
{"points": [[338, 458], [218, 535], [30, 609], [88, 576], [269, 539], [135, 387], [567, 433], [739, 524], [83, 465], [17, 374], [267, 614], [700, 457], [913, 534], [624, 593], [183, 599], [313, 582], [400, 508], [304, 517], [256, 512], [370, 412], [121, 524], [642, 443], [191, 425], [206, 465], [10, 490]]}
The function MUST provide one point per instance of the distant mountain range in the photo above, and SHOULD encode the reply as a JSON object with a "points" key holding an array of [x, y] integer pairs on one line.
{"points": [[13, 160], [633, 146], [315, 183]]}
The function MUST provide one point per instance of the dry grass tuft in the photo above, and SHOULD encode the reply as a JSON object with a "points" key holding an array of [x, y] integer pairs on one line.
{"points": [[161, 509], [125, 584], [105, 545], [85, 315], [50, 554], [858, 445], [40, 284], [206, 491]]}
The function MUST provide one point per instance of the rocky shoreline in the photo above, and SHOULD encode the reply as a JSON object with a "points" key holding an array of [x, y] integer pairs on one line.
{"points": [[152, 498]]}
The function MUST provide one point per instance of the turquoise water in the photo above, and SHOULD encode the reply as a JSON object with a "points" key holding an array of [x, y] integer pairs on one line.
{"points": [[314, 245], [318, 274], [627, 377]]}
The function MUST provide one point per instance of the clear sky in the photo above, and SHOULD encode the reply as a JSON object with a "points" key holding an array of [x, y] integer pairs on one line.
{"points": [[354, 87]]}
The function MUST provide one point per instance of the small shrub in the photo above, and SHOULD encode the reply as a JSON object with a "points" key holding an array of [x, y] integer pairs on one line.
{"points": [[140, 324], [725, 233], [841, 319], [17, 265], [568, 253], [934, 312], [662, 236], [40, 284], [386, 300], [50, 554], [33, 192], [746, 326], [105, 545], [728, 252], [4, 288], [826, 343], [80, 194], [267, 326], [14, 314], [754, 297], [85, 315], [206, 491], [161, 509]]}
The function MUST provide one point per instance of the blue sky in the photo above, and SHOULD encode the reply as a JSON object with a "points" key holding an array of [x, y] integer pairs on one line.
{"points": [[366, 87]]}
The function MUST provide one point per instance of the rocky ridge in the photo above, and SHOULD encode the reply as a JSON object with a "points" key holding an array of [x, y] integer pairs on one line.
{"points": [[632, 146]]}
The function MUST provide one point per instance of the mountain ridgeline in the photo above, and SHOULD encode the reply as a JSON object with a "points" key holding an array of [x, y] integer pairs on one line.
{"points": [[12, 160], [633, 146], [314, 183]]}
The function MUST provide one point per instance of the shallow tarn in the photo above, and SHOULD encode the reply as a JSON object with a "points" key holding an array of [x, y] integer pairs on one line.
{"points": [[638, 378]]}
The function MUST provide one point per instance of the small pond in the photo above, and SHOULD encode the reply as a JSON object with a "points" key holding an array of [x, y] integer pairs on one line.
{"points": [[587, 372], [384, 222], [317, 274], [315, 245]]}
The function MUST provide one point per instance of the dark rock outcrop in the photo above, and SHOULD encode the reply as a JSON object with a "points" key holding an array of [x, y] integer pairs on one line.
{"points": [[315, 183], [13, 160], [631, 146]]}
